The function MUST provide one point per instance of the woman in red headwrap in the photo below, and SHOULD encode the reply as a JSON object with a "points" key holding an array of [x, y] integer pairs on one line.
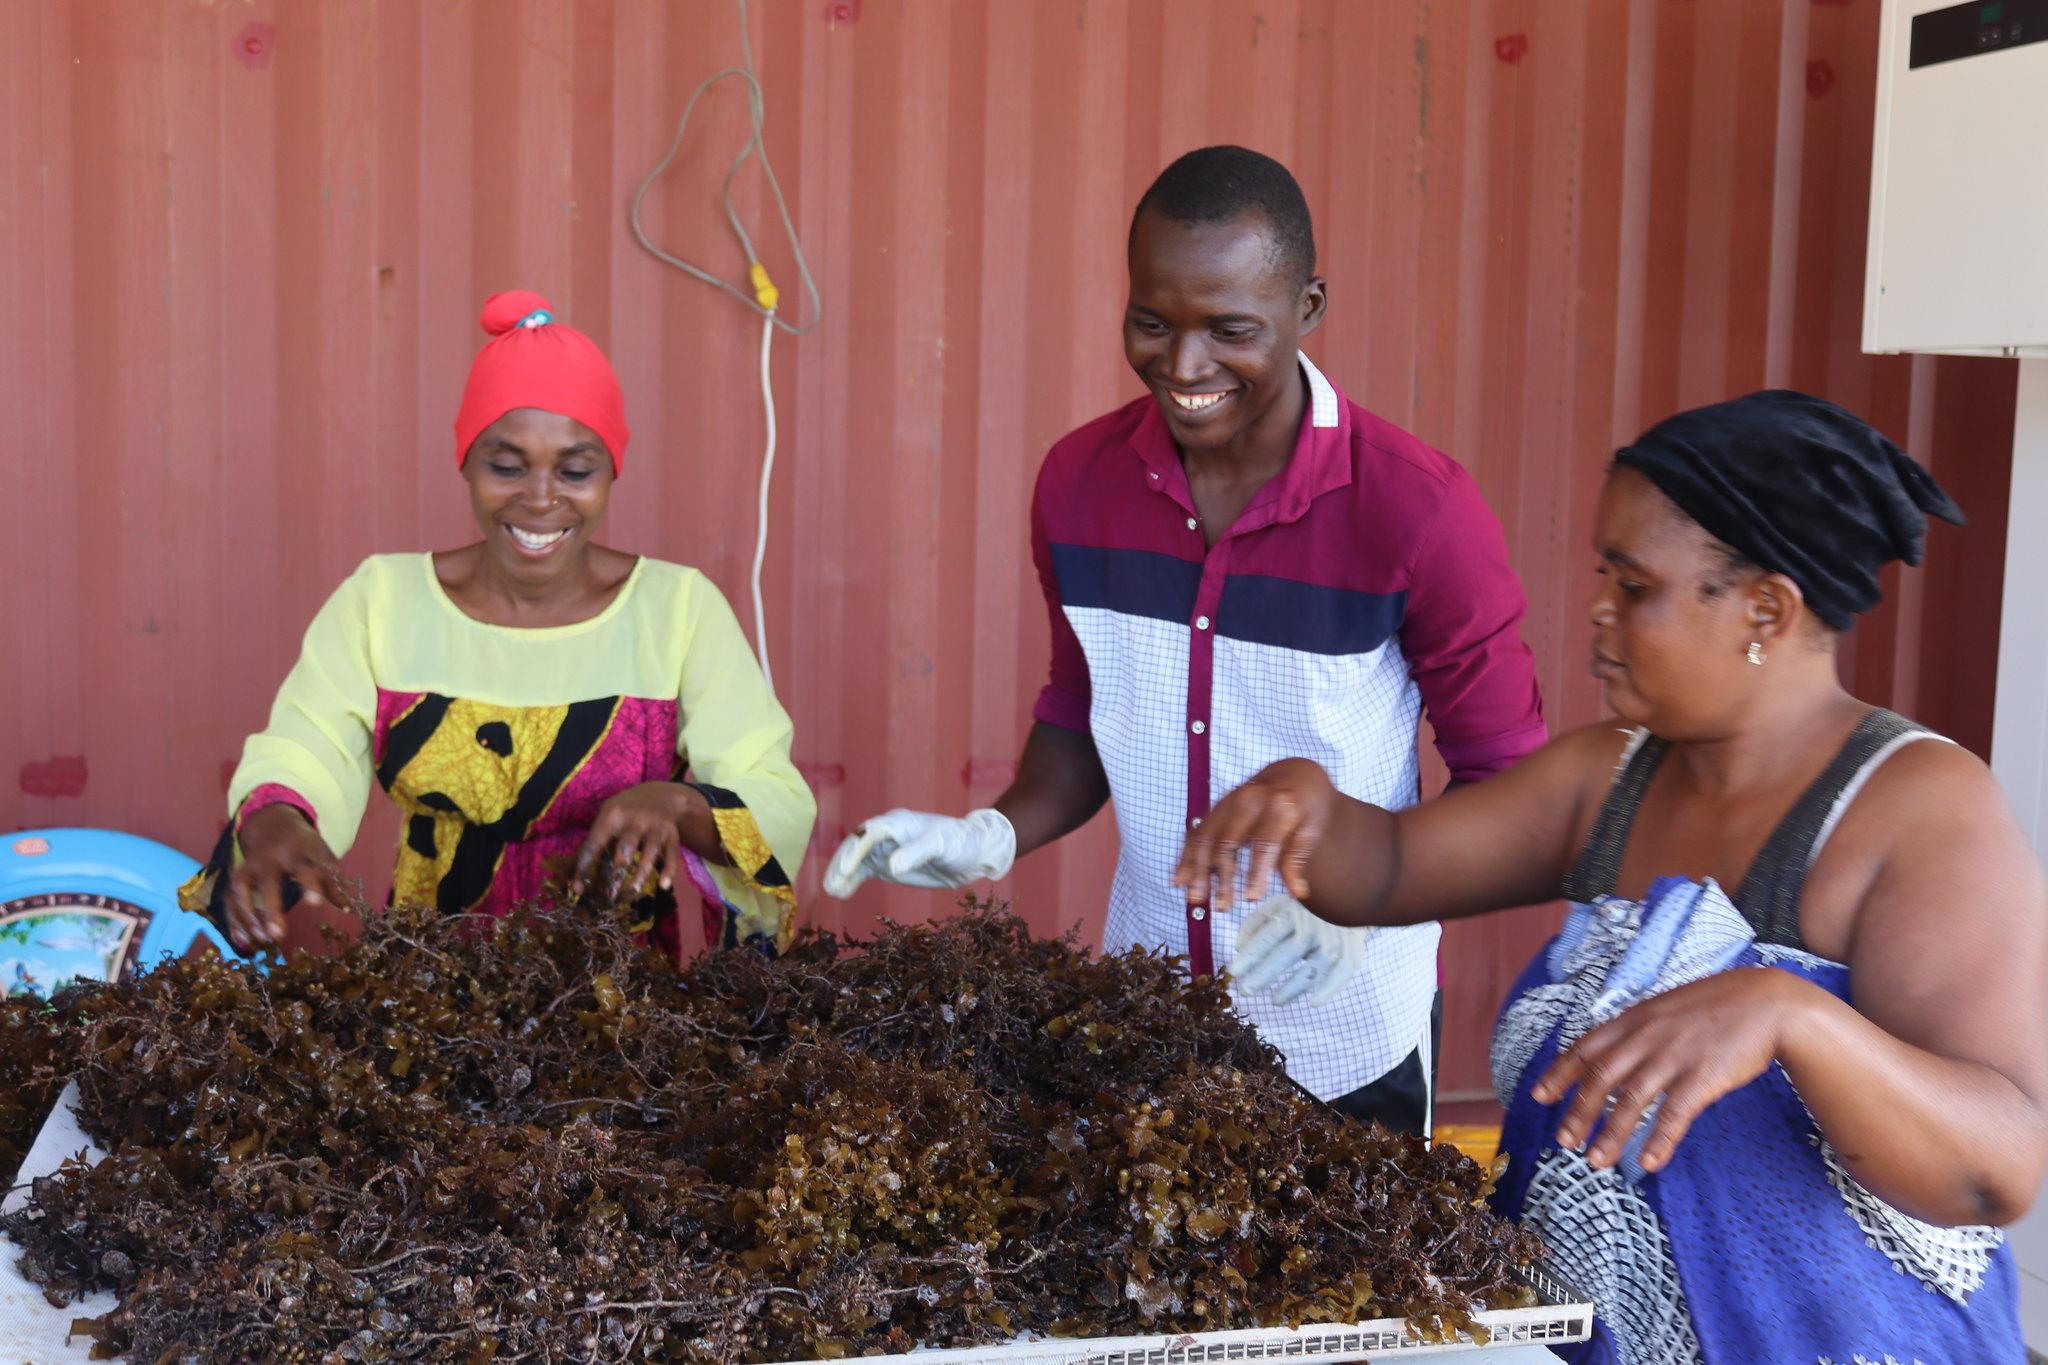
{"points": [[533, 703]]}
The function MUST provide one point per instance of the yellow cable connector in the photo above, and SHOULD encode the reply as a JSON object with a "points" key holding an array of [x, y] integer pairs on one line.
{"points": [[765, 292]]}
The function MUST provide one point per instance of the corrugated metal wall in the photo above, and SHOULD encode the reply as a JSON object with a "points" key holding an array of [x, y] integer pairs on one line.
{"points": [[242, 246]]}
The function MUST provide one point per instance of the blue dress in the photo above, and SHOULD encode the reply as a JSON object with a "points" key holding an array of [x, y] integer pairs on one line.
{"points": [[1755, 1244]]}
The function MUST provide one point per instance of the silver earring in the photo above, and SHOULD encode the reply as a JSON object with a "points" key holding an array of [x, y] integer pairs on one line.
{"points": [[1756, 653]]}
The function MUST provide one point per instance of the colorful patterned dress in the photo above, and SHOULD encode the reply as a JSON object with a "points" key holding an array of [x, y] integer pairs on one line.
{"points": [[499, 744], [1754, 1245]]}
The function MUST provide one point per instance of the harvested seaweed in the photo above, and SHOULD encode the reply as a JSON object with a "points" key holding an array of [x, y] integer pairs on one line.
{"points": [[36, 1042], [530, 1139]]}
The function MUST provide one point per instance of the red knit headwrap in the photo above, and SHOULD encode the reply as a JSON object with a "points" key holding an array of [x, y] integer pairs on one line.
{"points": [[532, 361]]}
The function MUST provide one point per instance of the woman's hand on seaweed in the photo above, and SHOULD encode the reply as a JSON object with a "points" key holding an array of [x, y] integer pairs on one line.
{"points": [[279, 847], [637, 838]]}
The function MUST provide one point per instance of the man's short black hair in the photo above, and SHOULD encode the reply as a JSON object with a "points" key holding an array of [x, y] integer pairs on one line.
{"points": [[1217, 184]]}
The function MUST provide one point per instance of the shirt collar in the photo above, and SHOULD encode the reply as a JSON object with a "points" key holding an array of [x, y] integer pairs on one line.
{"points": [[1326, 405], [1321, 460]]}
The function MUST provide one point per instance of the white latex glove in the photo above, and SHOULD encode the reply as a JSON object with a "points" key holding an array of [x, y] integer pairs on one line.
{"points": [[1286, 952], [912, 848]]}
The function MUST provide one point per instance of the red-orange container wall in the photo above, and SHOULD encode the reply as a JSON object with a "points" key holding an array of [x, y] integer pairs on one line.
{"points": [[242, 247]]}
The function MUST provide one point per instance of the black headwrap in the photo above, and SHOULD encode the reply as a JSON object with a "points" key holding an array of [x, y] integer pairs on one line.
{"points": [[1800, 486]]}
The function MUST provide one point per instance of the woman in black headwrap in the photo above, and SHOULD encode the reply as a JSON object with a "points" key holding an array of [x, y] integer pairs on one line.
{"points": [[1785, 1070]]}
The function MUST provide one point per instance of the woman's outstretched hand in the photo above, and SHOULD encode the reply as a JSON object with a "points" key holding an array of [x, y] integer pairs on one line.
{"points": [[1279, 816]]}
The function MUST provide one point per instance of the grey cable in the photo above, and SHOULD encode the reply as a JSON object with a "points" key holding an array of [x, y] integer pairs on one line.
{"points": [[755, 147]]}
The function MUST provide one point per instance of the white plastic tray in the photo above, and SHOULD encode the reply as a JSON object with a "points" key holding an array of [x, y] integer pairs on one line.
{"points": [[34, 1333], [31, 1331], [1561, 1318]]}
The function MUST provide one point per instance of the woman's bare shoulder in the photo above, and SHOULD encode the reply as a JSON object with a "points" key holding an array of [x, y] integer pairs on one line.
{"points": [[1933, 811], [1933, 780]]}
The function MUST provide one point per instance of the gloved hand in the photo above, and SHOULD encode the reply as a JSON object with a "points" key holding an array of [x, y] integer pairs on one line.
{"points": [[1286, 952], [912, 848]]}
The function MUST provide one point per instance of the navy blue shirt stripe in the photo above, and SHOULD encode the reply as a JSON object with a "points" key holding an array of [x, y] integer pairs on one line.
{"points": [[1254, 608], [1307, 616], [1135, 582]]}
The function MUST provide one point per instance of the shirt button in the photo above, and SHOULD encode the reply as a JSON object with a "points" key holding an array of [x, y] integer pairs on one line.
{"points": [[1193, 524], [1198, 727], [1201, 623], [1198, 913]]}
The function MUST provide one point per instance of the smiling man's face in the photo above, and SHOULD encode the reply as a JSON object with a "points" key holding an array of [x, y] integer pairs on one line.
{"points": [[1214, 321]]}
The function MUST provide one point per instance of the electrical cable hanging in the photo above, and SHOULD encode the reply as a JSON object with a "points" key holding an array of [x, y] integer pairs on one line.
{"points": [[761, 520], [761, 296]]}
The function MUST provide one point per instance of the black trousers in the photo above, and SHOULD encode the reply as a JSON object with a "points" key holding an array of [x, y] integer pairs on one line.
{"points": [[1401, 1098]]}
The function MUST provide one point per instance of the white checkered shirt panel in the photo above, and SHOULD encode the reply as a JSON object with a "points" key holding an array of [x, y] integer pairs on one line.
{"points": [[1321, 392], [1354, 714]]}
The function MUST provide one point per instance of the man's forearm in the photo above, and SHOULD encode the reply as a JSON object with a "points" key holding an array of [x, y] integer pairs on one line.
{"points": [[1060, 786]]}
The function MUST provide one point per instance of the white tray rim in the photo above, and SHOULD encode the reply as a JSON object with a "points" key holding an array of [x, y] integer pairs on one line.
{"points": [[1564, 1316]]}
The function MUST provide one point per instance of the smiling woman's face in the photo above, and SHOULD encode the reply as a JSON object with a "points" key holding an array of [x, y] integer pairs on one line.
{"points": [[538, 484]]}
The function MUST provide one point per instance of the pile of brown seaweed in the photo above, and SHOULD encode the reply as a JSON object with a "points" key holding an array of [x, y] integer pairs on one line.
{"points": [[36, 1043], [533, 1140]]}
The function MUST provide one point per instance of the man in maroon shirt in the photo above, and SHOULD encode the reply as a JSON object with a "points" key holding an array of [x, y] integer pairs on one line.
{"points": [[1240, 567]]}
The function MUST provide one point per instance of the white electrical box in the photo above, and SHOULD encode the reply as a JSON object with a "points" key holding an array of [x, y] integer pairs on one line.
{"points": [[1958, 258]]}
